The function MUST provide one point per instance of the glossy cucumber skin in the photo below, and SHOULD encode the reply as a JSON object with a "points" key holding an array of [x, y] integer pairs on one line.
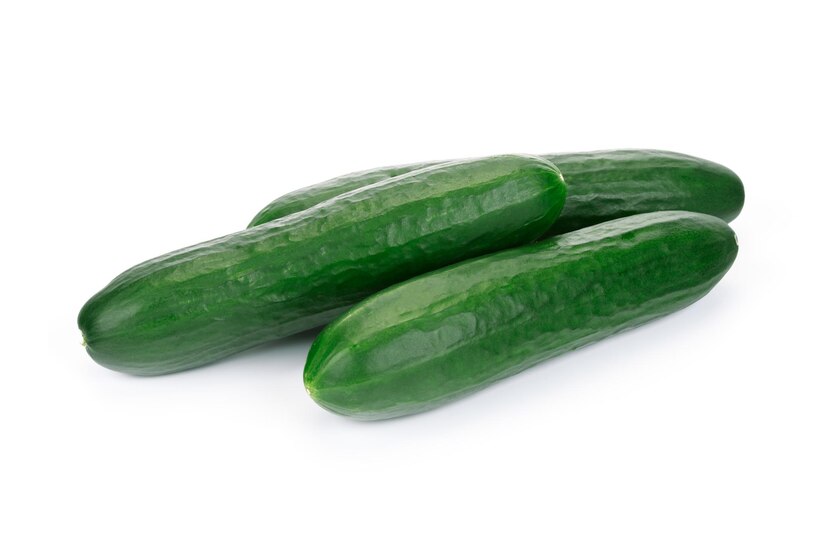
{"points": [[437, 337], [606, 185], [199, 304], [602, 186]]}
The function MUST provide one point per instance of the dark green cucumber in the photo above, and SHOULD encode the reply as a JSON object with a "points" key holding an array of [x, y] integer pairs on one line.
{"points": [[606, 185], [602, 186], [203, 303], [442, 335]]}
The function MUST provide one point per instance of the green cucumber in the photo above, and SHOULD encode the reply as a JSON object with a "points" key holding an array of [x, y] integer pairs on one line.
{"points": [[606, 185], [199, 304], [437, 337], [602, 185]]}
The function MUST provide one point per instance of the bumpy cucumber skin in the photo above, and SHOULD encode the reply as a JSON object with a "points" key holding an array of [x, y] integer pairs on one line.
{"points": [[602, 186], [435, 338], [199, 304], [606, 185]]}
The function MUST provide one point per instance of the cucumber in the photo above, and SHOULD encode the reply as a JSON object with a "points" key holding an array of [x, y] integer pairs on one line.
{"points": [[602, 185], [605, 185], [437, 337], [199, 304]]}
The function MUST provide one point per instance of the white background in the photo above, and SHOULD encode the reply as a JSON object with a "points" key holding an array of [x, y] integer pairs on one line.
{"points": [[128, 129]]}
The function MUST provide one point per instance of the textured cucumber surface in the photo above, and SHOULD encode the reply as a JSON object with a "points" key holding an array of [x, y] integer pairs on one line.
{"points": [[602, 185], [443, 335], [205, 302]]}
